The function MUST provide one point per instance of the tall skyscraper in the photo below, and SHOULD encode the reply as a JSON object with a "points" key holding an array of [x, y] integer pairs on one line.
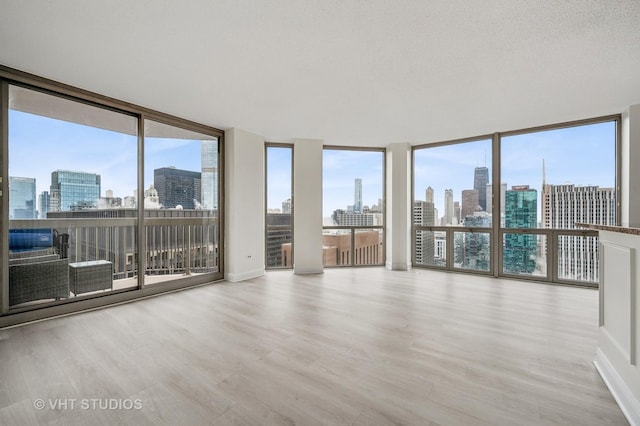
{"points": [[209, 176], [480, 180], [71, 191], [469, 203], [503, 190], [22, 198], [456, 212], [521, 211], [43, 204], [357, 196], [286, 206], [429, 195], [448, 206], [423, 214], [562, 207], [177, 187]]}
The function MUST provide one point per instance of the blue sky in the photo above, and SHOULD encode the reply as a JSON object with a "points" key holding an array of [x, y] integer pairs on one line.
{"points": [[39, 145], [579, 155], [582, 155]]}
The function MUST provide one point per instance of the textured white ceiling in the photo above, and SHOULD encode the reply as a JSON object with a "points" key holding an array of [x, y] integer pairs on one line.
{"points": [[349, 72]]}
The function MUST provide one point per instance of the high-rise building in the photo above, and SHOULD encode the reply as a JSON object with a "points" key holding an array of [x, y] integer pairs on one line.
{"points": [[429, 195], [286, 206], [503, 190], [346, 218], [480, 180], [424, 215], [72, 191], [473, 250], [278, 234], [22, 198], [456, 212], [521, 211], [209, 175], [448, 207], [562, 207], [43, 204], [469, 203], [177, 187], [357, 196]]}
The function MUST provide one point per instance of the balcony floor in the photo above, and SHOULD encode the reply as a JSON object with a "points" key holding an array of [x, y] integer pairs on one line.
{"points": [[351, 347]]}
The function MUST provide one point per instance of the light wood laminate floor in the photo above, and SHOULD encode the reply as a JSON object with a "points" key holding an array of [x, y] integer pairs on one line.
{"points": [[349, 347]]}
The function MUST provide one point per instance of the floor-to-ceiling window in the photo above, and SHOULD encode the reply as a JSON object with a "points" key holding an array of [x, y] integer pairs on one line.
{"points": [[452, 205], [353, 206], [538, 183], [94, 192], [71, 168], [180, 202], [555, 178], [279, 214]]}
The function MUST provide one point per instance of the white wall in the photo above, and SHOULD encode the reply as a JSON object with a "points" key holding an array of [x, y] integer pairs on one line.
{"points": [[619, 334], [398, 231], [245, 205], [307, 210], [630, 167]]}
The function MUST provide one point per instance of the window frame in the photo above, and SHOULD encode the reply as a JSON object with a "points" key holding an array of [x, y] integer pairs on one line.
{"points": [[354, 229], [10, 316], [497, 232], [291, 146]]}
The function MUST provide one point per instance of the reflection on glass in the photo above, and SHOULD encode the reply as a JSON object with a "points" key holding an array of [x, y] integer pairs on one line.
{"points": [[472, 250], [524, 254], [69, 161]]}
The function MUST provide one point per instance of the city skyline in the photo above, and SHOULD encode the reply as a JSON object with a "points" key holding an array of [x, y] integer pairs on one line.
{"points": [[582, 155], [573, 155], [36, 144]]}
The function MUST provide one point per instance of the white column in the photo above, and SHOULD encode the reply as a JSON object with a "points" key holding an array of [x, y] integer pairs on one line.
{"points": [[244, 205], [398, 207], [307, 210], [630, 167]]}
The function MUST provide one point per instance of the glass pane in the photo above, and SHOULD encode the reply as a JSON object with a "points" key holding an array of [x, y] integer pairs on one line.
{"points": [[452, 185], [525, 254], [431, 248], [279, 247], [279, 207], [352, 183], [181, 202], [336, 247], [572, 172], [368, 247], [69, 161], [472, 250], [578, 258]]}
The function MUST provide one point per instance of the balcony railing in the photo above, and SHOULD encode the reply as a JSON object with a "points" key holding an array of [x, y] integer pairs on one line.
{"points": [[89, 256], [554, 255]]}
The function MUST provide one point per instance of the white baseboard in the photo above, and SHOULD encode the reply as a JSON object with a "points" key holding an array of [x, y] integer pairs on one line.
{"points": [[307, 271], [628, 403], [243, 275], [398, 266]]}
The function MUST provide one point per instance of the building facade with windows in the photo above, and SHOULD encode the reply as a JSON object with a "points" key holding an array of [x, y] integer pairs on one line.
{"points": [[72, 190], [22, 200], [178, 187]]}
